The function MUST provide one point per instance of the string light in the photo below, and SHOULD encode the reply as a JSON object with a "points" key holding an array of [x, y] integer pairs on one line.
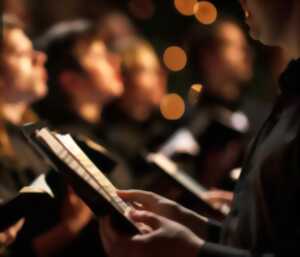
{"points": [[205, 12], [172, 107], [175, 58], [185, 7]]}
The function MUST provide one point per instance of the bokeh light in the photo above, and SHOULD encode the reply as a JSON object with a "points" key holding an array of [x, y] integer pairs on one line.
{"points": [[172, 107], [185, 7], [175, 58], [141, 9], [240, 121], [194, 93], [205, 12]]}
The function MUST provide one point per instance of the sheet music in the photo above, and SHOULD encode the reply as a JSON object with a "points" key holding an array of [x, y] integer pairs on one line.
{"points": [[188, 182], [171, 168], [70, 153]]}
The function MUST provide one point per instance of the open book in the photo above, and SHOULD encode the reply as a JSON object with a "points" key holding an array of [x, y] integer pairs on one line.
{"points": [[169, 167], [20, 205], [89, 182]]}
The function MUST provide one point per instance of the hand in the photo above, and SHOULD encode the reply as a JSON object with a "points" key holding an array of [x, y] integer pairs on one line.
{"points": [[75, 214], [164, 207], [220, 200], [8, 236], [167, 238]]}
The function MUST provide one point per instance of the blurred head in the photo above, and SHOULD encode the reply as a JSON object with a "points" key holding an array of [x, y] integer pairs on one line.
{"points": [[115, 27], [268, 19], [222, 49], [144, 77], [23, 75], [221, 52], [80, 64]]}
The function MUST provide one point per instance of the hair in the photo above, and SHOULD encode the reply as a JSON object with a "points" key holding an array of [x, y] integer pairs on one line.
{"points": [[59, 43], [130, 51], [9, 22], [110, 20]]}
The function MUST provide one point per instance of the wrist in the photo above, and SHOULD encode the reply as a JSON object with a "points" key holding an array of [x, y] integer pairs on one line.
{"points": [[197, 223]]}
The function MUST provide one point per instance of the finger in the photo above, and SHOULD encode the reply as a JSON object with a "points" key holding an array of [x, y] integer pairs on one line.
{"points": [[143, 238], [19, 224], [219, 197], [147, 199], [148, 218]]}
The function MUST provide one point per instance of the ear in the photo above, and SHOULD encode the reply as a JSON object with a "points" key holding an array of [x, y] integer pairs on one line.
{"points": [[69, 80]]}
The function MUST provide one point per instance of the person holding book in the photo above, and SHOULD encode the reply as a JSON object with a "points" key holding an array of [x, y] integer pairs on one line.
{"points": [[84, 76], [134, 119], [23, 81], [264, 220]]}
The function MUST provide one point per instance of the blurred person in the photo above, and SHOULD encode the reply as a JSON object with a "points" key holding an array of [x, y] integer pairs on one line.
{"points": [[136, 126], [84, 75], [23, 81], [221, 49], [134, 119], [116, 28], [222, 61], [264, 217], [224, 49]]}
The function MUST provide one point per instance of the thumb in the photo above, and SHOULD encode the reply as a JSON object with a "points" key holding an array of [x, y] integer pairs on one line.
{"points": [[148, 218]]}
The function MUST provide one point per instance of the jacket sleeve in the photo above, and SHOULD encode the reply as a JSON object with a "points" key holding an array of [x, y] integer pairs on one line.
{"points": [[214, 230], [218, 250]]}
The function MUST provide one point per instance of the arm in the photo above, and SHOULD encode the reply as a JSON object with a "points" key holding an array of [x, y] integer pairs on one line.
{"points": [[218, 250], [8, 236], [169, 238]]}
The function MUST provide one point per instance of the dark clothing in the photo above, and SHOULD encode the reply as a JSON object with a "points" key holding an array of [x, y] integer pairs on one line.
{"points": [[16, 172], [130, 137], [20, 171], [264, 219]]}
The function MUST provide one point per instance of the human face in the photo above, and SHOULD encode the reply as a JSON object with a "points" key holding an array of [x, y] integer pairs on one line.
{"points": [[267, 19], [146, 81], [102, 68], [24, 74], [234, 52]]}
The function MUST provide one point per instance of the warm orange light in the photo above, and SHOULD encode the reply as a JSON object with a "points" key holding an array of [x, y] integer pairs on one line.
{"points": [[205, 12], [172, 107], [175, 58], [141, 9], [185, 7], [194, 93]]}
